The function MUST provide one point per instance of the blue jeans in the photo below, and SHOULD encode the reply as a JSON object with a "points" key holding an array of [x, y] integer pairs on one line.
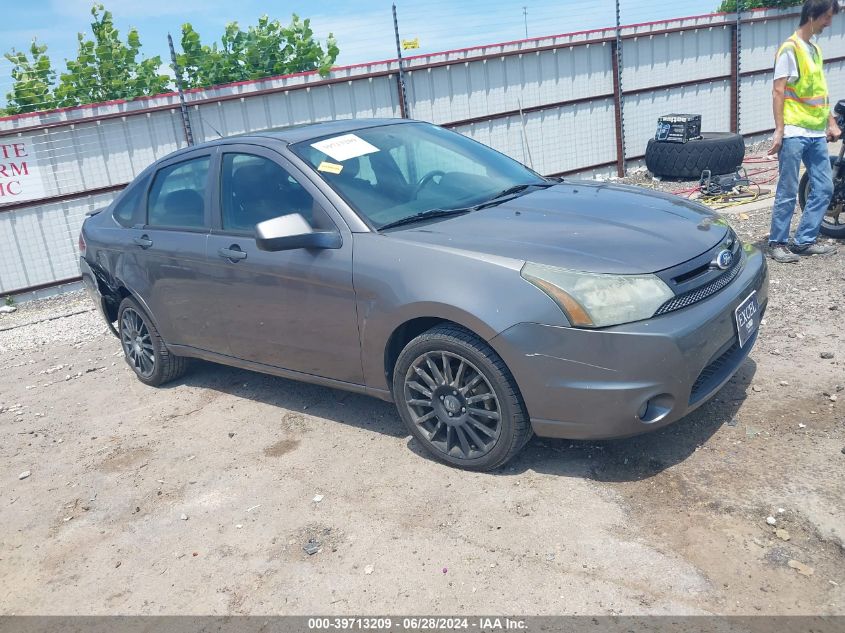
{"points": [[813, 151]]}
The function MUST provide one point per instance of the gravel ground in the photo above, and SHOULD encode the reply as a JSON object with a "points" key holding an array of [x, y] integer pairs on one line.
{"points": [[68, 318], [203, 496]]}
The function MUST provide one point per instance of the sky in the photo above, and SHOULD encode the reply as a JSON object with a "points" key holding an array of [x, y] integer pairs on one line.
{"points": [[364, 30]]}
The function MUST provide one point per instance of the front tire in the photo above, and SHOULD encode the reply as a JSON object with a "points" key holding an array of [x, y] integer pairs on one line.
{"points": [[833, 222], [459, 400], [143, 347]]}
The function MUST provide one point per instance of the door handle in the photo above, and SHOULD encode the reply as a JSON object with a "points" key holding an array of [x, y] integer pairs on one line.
{"points": [[144, 241], [233, 253]]}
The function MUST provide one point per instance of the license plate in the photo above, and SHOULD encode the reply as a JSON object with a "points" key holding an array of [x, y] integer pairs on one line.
{"points": [[746, 318]]}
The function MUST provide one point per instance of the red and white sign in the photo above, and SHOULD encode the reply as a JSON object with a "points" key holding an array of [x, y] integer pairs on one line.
{"points": [[20, 178]]}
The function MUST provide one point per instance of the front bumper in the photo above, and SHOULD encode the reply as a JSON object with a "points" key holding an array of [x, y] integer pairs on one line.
{"points": [[594, 384]]}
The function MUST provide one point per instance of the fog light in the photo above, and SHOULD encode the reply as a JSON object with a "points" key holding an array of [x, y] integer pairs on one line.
{"points": [[656, 408]]}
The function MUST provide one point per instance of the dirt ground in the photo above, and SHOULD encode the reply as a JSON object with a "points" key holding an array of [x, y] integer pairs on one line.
{"points": [[202, 497]]}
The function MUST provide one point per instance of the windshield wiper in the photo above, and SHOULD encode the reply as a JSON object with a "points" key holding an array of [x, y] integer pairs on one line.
{"points": [[442, 213], [425, 215], [511, 190], [494, 200]]}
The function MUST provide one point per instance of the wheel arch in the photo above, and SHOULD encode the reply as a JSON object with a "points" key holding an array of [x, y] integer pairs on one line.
{"points": [[403, 334], [406, 331], [116, 297], [121, 292], [510, 419]]}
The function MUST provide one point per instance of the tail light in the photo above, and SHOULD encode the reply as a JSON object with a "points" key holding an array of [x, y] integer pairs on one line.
{"points": [[82, 245]]}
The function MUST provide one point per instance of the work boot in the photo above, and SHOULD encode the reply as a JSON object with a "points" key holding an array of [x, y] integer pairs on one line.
{"points": [[782, 255], [813, 249]]}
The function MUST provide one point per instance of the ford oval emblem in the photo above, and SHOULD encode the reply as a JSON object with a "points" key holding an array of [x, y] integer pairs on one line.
{"points": [[723, 260]]}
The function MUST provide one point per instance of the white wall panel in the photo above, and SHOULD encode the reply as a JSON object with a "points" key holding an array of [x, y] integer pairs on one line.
{"points": [[711, 100], [505, 84], [552, 141], [40, 243], [91, 155], [676, 57], [835, 73], [760, 40], [755, 112]]}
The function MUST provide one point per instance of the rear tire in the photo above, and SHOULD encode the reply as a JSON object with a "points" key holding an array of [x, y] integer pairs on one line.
{"points": [[144, 349], [459, 400], [832, 225], [720, 152]]}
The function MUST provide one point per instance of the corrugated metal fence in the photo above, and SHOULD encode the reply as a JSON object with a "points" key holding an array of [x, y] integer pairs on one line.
{"points": [[561, 104]]}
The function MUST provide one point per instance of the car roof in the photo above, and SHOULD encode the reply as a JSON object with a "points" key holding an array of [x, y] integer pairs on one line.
{"points": [[308, 131], [286, 135], [296, 133]]}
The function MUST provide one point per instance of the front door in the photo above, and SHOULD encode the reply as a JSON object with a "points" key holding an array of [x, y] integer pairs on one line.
{"points": [[291, 309]]}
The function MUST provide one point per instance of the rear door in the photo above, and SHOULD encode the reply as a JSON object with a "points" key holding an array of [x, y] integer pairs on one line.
{"points": [[169, 249], [292, 309]]}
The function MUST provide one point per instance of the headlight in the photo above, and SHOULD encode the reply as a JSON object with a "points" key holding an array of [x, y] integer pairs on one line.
{"points": [[599, 300]]}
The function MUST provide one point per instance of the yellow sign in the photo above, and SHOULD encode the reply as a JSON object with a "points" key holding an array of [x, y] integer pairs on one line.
{"points": [[410, 44], [331, 168]]}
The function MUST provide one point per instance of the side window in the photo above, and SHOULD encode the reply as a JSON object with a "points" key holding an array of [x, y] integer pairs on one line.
{"points": [[126, 209], [254, 189], [177, 197]]}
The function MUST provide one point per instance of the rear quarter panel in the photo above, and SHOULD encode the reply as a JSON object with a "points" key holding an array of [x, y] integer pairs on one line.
{"points": [[110, 254]]}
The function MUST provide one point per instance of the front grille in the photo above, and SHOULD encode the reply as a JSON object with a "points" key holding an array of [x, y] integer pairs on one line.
{"points": [[713, 373], [702, 292]]}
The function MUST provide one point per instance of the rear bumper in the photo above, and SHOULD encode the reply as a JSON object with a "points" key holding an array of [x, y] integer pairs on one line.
{"points": [[593, 384], [92, 287]]}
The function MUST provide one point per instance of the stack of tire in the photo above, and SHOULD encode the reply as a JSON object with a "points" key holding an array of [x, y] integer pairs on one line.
{"points": [[720, 152]]}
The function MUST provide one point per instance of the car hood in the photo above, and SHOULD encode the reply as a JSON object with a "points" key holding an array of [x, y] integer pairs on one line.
{"points": [[583, 226]]}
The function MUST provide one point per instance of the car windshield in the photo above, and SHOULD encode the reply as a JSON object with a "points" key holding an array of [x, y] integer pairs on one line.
{"points": [[393, 172]]}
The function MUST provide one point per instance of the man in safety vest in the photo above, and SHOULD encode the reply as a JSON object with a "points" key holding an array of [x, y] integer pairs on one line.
{"points": [[803, 124]]}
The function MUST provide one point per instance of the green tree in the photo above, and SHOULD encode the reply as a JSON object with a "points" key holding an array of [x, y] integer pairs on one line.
{"points": [[106, 68], [33, 80], [264, 50], [729, 6]]}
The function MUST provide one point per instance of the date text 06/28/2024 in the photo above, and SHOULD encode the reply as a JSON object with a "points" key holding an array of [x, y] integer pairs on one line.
{"points": [[422, 623]]}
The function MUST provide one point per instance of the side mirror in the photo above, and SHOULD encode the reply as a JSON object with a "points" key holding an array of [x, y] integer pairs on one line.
{"points": [[292, 231]]}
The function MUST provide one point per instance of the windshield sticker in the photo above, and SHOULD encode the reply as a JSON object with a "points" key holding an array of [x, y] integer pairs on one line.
{"points": [[344, 147], [331, 168]]}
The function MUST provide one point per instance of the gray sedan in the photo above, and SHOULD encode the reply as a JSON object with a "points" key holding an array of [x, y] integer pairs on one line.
{"points": [[400, 260]]}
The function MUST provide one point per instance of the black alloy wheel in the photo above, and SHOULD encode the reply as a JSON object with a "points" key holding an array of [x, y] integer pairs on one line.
{"points": [[459, 400], [453, 404], [143, 348], [137, 343]]}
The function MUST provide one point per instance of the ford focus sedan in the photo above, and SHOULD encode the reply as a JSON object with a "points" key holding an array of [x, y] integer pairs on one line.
{"points": [[400, 260]]}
